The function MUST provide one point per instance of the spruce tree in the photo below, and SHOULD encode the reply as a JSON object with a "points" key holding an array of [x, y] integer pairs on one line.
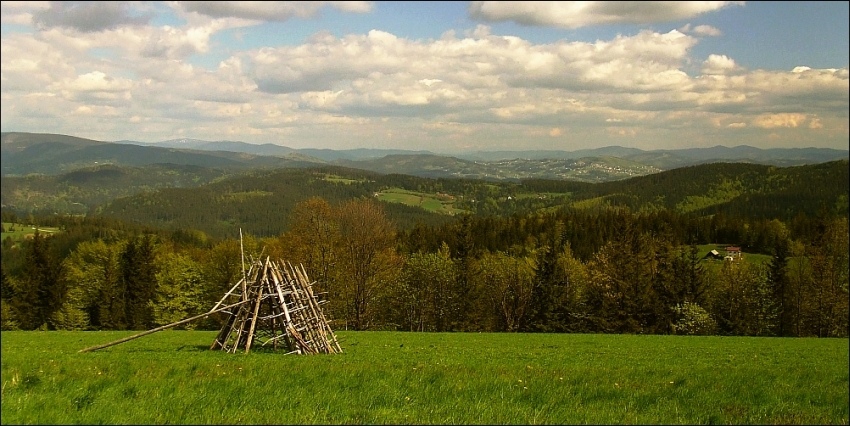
{"points": [[138, 275], [40, 292], [780, 288]]}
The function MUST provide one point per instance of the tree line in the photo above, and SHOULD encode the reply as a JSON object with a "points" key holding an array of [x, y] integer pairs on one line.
{"points": [[612, 270]]}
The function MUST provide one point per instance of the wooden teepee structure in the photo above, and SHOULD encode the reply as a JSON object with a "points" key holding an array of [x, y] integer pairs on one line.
{"points": [[272, 304], [278, 308]]}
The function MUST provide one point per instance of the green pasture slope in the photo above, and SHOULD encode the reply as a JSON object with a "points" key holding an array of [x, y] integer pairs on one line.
{"points": [[17, 231], [426, 378], [429, 202]]}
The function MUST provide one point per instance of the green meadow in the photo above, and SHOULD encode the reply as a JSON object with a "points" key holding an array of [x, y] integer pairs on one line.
{"points": [[17, 231], [425, 378], [430, 202]]}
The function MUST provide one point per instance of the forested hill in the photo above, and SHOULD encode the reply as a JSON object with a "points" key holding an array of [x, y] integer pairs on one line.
{"points": [[78, 191], [260, 203], [748, 190], [26, 153]]}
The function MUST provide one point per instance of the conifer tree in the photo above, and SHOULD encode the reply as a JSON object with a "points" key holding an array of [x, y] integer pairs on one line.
{"points": [[138, 274], [8, 320], [466, 314], [548, 285], [40, 292], [781, 293]]}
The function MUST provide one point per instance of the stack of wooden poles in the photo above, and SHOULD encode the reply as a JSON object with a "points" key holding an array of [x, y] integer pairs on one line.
{"points": [[274, 304]]}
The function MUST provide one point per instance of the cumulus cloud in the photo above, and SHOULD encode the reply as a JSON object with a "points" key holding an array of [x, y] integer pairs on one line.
{"points": [[89, 16], [98, 82], [707, 30], [701, 30], [576, 14], [479, 88], [379, 64], [815, 123], [20, 12], [24, 64], [771, 121], [270, 10], [719, 64], [98, 91], [174, 43]]}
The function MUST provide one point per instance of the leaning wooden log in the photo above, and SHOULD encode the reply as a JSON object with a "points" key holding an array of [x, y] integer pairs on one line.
{"points": [[254, 319], [154, 330]]}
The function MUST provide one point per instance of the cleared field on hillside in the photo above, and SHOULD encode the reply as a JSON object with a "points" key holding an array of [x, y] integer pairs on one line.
{"points": [[426, 378], [437, 203], [755, 258], [17, 231]]}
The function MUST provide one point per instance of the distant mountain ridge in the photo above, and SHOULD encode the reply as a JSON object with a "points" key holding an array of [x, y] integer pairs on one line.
{"points": [[322, 154], [44, 153], [661, 158], [25, 153]]}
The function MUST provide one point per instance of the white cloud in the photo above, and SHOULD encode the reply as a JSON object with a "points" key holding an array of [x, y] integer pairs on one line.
{"points": [[475, 91], [815, 123], [96, 91], [377, 67], [20, 12], [98, 82], [576, 14], [772, 121], [701, 30], [707, 30], [90, 16], [270, 10], [24, 64], [353, 6], [719, 64]]}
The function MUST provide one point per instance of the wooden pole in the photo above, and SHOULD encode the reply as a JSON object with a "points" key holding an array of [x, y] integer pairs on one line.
{"points": [[145, 333], [262, 283], [244, 278]]}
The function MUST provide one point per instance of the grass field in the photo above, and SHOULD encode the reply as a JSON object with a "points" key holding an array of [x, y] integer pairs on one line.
{"points": [[17, 231], [426, 378], [755, 258], [430, 202]]}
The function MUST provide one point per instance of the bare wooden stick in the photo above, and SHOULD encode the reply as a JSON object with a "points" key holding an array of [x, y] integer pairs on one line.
{"points": [[256, 312], [154, 330], [244, 278], [227, 294]]}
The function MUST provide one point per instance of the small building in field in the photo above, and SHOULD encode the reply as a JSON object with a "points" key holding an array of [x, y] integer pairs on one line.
{"points": [[714, 254], [733, 253]]}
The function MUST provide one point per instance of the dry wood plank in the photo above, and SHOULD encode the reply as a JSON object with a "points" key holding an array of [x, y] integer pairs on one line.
{"points": [[154, 330]]}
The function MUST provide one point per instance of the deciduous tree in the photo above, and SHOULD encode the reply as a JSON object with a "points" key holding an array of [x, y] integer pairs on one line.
{"points": [[95, 299], [506, 282], [366, 259]]}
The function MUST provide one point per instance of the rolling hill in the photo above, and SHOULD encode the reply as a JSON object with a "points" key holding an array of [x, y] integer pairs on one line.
{"points": [[260, 202], [27, 153]]}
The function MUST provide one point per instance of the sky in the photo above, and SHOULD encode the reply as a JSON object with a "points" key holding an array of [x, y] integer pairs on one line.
{"points": [[447, 77]]}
